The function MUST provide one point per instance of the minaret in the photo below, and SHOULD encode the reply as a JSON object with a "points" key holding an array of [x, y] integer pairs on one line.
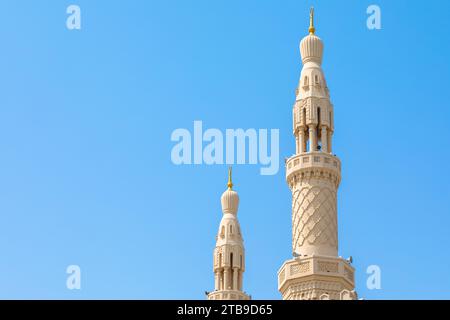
{"points": [[313, 175], [229, 254]]}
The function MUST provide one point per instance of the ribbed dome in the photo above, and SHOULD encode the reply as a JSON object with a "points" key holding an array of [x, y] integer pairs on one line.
{"points": [[230, 201], [311, 49]]}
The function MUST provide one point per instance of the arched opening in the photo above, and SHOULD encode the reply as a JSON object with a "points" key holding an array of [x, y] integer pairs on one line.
{"points": [[304, 147], [319, 137], [303, 120]]}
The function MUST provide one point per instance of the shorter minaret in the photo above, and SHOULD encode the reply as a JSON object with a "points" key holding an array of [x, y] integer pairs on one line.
{"points": [[229, 255]]}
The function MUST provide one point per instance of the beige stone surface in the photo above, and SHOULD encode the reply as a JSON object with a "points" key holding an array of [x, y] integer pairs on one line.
{"points": [[313, 175], [229, 253]]}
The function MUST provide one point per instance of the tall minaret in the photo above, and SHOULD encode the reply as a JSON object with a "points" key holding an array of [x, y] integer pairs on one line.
{"points": [[313, 175], [229, 254]]}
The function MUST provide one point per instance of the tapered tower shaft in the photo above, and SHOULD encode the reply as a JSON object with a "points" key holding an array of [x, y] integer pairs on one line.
{"points": [[313, 174], [229, 254]]}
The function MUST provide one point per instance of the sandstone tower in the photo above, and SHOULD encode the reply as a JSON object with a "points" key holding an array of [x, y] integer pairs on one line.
{"points": [[313, 175], [229, 255]]}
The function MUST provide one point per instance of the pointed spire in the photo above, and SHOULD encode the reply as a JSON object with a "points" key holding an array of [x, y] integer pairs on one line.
{"points": [[311, 21], [230, 183]]}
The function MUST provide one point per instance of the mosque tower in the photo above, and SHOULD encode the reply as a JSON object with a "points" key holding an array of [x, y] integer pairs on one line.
{"points": [[313, 175], [229, 254]]}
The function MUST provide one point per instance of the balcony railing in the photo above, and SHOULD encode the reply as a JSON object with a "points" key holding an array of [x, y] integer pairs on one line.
{"points": [[312, 160]]}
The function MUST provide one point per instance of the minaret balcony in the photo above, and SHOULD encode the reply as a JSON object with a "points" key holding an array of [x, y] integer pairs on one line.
{"points": [[319, 268], [311, 161], [228, 295]]}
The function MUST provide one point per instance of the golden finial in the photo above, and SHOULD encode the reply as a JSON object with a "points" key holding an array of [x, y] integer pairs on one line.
{"points": [[311, 21], [230, 183]]}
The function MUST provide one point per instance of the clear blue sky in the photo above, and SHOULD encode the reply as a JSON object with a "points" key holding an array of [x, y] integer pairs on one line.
{"points": [[86, 117]]}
